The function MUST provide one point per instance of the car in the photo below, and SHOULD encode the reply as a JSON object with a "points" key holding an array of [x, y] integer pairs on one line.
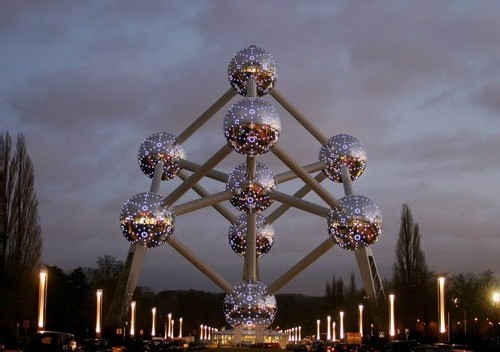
{"points": [[400, 345], [318, 346], [425, 348], [452, 347], [95, 345], [196, 345], [51, 341], [297, 347], [134, 344]]}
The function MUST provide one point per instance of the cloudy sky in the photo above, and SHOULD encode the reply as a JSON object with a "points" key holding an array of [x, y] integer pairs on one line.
{"points": [[417, 82]]}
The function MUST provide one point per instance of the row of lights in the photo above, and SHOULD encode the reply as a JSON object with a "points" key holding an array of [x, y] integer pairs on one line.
{"points": [[205, 331]]}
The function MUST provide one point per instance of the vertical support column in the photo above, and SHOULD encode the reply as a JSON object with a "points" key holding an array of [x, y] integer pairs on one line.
{"points": [[366, 262]]}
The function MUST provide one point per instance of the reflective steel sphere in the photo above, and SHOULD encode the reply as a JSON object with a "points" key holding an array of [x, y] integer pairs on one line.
{"points": [[252, 126], [250, 304], [355, 223], [343, 149], [163, 147], [145, 221], [252, 61], [263, 231], [252, 196]]}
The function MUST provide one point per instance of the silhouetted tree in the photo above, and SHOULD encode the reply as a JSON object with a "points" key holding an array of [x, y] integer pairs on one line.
{"points": [[412, 281], [20, 234]]}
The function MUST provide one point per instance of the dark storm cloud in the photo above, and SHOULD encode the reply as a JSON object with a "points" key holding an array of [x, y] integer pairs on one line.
{"points": [[416, 82]]}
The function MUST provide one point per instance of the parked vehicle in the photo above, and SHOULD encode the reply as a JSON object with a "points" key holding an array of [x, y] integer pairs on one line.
{"points": [[95, 345], [425, 348], [400, 346], [51, 341]]}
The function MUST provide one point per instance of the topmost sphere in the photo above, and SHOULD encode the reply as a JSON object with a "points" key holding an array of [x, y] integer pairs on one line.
{"points": [[252, 61]]}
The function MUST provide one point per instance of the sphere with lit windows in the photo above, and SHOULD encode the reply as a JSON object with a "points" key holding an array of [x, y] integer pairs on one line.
{"points": [[355, 223], [252, 126], [251, 196], [256, 62], [161, 147], [249, 304], [146, 221], [264, 233], [341, 150]]}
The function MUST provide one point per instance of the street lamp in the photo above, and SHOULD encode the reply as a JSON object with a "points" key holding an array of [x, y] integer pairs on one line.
{"points": [[169, 324], [328, 334], [180, 327], [98, 319], [318, 336], [360, 320], [441, 305], [153, 322], [341, 325], [132, 319], [392, 325], [42, 298]]}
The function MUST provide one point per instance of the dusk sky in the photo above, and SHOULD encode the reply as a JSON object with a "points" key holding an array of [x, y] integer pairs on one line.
{"points": [[417, 82]]}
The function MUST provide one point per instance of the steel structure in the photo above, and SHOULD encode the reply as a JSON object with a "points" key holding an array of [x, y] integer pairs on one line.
{"points": [[251, 81]]}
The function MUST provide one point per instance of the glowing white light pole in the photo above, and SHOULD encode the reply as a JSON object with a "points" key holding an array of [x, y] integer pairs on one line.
{"points": [[360, 320], [334, 335], [169, 324], [132, 318], [341, 334], [42, 298], [300, 333], [180, 327], [153, 322], [172, 329], [98, 318], [201, 332], [441, 305], [328, 332], [392, 325], [318, 336]]}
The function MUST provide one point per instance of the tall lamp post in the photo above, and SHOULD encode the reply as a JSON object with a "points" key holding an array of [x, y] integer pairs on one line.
{"points": [[341, 334], [392, 325], [132, 319], [42, 299], [153, 322], [441, 305], [98, 318], [360, 320]]}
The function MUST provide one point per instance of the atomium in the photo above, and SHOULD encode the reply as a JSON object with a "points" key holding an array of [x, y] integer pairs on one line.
{"points": [[145, 221], [251, 196], [252, 126], [256, 62], [249, 304], [355, 223], [161, 147], [340, 150], [238, 231]]}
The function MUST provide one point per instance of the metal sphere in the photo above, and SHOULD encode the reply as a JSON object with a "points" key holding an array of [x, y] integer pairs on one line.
{"points": [[264, 234], [162, 147], [355, 223], [251, 196], [256, 62], [340, 150], [144, 220], [249, 303], [252, 126]]}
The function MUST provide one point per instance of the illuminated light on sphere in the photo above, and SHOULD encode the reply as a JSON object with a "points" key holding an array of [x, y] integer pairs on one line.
{"points": [[163, 147], [247, 196], [145, 221], [249, 303], [355, 223], [343, 149], [252, 61], [238, 232], [252, 126]]}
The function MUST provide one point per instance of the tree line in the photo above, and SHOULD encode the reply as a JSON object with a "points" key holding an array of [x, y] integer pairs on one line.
{"points": [[71, 295]]}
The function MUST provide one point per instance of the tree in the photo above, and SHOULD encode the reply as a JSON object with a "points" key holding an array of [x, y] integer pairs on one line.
{"points": [[411, 277], [20, 233]]}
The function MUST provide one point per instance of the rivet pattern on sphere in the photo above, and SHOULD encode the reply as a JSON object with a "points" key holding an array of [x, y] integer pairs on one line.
{"points": [[249, 303], [264, 235], [252, 196], [252, 61], [252, 126], [357, 222], [340, 150], [143, 220], [163, 147]]}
